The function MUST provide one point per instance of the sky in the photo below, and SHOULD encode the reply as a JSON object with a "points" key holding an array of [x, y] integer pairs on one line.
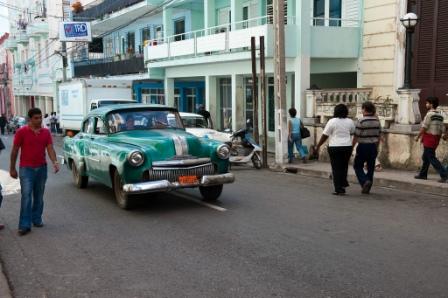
{"points": [[4, 26]]}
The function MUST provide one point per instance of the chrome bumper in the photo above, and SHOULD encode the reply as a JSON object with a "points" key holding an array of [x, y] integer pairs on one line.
{"points": [[165, 185]]}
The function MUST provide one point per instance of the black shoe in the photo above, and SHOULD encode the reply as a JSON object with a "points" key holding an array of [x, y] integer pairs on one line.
{"points": [[442, 180], [23, 232], [420, 177], [366, 187], [337, 193], [38, 225]]}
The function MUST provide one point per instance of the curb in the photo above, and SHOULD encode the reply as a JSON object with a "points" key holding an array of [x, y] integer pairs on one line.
{"points": [[5, 291], [382, 182]]}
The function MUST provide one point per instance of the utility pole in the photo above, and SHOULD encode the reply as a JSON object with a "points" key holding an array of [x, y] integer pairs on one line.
{"points": [[254, 89], [64, 47], [264, 145], [281, 134]]}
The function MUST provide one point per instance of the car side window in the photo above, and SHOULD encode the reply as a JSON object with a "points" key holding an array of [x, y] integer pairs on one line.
{"points": [[88, 125], [93, 106], [100, 128]]}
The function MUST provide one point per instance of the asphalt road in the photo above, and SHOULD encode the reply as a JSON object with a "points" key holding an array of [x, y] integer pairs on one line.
{"points": [[271, 235]]}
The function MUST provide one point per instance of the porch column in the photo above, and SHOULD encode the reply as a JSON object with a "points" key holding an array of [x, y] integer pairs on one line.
{"points": [[211, 100], [167, 23], [289, 89], [169, 92], [236, 12], [209, 14], [237, 102], [408, 110]]}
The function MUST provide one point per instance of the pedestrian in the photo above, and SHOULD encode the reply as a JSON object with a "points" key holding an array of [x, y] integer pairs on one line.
{"points": [[3, 122], [339, 131], [2, 147], [53, 122], [206, 114], [294, 137], [430, 134], [32, 140], [46, 122], [367, 135], [56, 116]]}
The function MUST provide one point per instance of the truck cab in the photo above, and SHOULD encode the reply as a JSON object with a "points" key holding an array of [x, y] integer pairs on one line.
{"points": [[98, 103]]}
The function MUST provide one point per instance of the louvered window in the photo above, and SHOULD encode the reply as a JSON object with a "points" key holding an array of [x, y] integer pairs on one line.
{"points": [[270, 11]]}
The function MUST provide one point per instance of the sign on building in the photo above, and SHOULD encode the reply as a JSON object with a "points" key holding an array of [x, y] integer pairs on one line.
{"points": [[75, 31]]}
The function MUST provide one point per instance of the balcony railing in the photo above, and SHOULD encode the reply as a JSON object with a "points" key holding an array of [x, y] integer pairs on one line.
{"points": [[334, 22], [104, 8], [111, 66]]}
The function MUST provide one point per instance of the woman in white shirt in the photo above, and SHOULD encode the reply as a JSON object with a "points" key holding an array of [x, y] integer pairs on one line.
{"points": [[339, 130]]}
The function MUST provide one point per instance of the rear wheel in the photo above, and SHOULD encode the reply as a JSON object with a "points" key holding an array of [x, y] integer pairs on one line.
{"points": [[122, 198], [80, 181], [256, 160], [211, 193]]}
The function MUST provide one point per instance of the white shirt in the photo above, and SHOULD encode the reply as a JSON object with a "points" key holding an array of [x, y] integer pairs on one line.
{"points": [[339, 131]]}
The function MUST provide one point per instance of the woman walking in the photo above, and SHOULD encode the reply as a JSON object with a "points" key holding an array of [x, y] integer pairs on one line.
{"points": [[294, 136], [339, 131]]}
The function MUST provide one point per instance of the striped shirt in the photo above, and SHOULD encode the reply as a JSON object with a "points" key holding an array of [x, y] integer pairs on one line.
{"points": [[368, 130], [434, 128]]}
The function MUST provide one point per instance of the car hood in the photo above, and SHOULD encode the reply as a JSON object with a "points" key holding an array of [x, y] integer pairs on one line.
{"points": [[162, 144], [211, 134]]}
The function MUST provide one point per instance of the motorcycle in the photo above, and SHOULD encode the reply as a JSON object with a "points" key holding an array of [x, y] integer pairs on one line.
{"points": [[244, 149]]}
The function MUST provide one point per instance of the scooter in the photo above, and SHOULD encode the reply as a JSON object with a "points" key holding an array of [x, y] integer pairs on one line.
{"points": [[244, 149]]}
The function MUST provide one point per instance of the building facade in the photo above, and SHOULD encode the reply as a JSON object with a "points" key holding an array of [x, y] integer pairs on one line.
{"points": [[6, 74], [34, 45]]}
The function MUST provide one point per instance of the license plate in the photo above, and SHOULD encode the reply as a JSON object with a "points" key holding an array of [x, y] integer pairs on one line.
{"points": [[188, 180]]}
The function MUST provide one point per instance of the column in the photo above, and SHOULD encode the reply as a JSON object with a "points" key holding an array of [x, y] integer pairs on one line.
{"points": [[408, 110], [169, 92], [211, 100], [209, 13], [238, 102], [289, 89], [167, 23]]}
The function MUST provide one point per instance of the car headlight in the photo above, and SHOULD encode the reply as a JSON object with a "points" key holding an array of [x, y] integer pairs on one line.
{"points": [[136, 158], [223, 151]]}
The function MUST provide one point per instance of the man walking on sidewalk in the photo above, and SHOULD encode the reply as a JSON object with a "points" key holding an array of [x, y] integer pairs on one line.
{"points": [[32, 141], [367, 135], [430, 133]]}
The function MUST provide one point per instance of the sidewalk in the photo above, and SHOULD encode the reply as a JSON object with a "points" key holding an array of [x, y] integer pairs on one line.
{"points": [[403, 180], [4, 287]]}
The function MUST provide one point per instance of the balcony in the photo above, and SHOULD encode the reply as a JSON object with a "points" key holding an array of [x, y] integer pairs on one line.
{"points": [[38, 28], [111, 66], [340, 40], [111, 13], [11, 43], [22, 37]]}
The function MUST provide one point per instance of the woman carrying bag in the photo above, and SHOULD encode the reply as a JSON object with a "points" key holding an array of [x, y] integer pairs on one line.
{"points": [[339, 130], [295, 129]]}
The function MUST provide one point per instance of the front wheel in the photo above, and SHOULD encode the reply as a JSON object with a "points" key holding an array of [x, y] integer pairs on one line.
{"points": [[256, 160], [80, 181], [122, 198], [211, 193]]}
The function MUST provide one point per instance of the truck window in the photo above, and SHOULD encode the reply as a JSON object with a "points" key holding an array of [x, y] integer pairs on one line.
{"points": [[88, 125], [100, 128], [93, 106]]}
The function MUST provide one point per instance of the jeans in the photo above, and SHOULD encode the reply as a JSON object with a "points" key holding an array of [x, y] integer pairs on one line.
{"points": [[297, 140], [32, 182], [339, 158], [365, 153], [429, 157]]}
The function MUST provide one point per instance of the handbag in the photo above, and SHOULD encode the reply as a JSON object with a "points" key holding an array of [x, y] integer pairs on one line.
{"points": [[2, 145], [304, 132]]}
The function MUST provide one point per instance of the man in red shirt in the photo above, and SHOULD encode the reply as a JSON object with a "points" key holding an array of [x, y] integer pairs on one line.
{"points": [[32, 140]]}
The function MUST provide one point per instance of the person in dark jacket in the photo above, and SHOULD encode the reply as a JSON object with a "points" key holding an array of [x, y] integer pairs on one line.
{"points": [[3, 122]]}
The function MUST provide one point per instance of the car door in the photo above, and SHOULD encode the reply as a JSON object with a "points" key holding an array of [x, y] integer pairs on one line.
{"points": [[90, 152], [101, 162]]}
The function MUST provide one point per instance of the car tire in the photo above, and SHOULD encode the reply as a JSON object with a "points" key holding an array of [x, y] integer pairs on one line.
{"points": [[79, 180], [256, 161], [123, 200], [211, 193]]}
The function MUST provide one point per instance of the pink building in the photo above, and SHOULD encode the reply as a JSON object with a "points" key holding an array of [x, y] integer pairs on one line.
{"points": [[6, 75]]}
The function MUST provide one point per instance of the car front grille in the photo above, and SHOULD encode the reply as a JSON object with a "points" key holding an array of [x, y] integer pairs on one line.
{"points": [[172, 174]]}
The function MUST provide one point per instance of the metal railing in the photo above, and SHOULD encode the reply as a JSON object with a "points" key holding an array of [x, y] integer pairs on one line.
{"points": [[104, 8], [334, 22], [109, 66]]}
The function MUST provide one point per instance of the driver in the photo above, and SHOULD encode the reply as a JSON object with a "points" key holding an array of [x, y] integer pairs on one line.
{"points": [[130, 123]]}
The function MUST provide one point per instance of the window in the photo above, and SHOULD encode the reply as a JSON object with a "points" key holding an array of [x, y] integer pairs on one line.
{"points": [[100, 128], [88, 125], [179, 29], [319, 12], [130, 46], [143, 119], [146, 35], [335, 12], [327, 15]]}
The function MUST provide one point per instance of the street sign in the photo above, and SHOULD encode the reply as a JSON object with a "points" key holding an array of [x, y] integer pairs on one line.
{"points": [[75, 31]]}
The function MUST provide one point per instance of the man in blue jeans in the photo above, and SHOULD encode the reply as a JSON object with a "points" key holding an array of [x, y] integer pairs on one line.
{"points": [[367, 135], [33, 141]]}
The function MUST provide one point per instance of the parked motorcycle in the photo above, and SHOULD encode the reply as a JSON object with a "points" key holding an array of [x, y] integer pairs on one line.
{"points": [[243, 149]]}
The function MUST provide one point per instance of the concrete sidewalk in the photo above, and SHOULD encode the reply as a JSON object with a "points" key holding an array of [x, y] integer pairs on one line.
{"points": [[403, 180], [5, 292]]}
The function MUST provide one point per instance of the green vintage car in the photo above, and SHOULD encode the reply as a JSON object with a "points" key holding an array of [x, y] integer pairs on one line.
{"points": [[142, 149]]}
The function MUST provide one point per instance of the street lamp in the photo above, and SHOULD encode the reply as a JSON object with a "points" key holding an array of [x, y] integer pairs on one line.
{"points": [[409, 21]]}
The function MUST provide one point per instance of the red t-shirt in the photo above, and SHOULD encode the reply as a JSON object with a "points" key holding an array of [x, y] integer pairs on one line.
{"points": [[430, 140], [32, 146]]}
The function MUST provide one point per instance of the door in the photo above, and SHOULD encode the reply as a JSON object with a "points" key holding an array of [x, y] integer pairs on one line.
{"points": [[90, 152], [179, 29], [100, 164]]}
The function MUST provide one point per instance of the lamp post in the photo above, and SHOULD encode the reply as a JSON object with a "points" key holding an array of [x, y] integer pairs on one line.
{"points": [[409, 21]]}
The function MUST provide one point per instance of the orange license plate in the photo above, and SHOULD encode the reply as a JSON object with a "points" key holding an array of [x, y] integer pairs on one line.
{"points": [[188, 180]]}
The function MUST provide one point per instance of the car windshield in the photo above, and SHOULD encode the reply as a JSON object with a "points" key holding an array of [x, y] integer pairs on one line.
{"points": [[128, 120], [103, 103], [194, 122]]}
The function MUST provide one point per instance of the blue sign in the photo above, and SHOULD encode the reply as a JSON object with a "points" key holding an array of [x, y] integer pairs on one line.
{"points": [[76, 30]]}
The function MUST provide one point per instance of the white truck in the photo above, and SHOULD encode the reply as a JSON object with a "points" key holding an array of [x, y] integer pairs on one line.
{"points": [[79, 96]]}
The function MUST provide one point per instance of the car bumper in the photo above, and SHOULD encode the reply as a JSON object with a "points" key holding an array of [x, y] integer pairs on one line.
{"points": [[165, 185]]}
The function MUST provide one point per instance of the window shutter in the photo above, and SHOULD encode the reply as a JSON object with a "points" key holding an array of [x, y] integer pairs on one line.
{"points": [[441, 65], [424, 57]]}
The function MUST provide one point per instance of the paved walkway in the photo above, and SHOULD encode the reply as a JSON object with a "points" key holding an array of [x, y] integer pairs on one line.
{"points": [[387, 178]]}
